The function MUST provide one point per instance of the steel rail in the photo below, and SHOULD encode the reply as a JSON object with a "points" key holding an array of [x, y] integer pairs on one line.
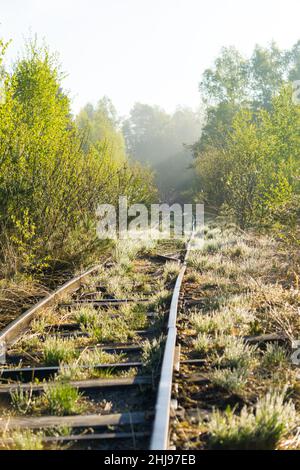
{"points": [[13, 330], [160, 429], [160, 433]]}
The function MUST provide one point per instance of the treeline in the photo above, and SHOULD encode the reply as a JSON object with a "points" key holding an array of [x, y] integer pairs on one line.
{"points": [[247, 158], [161, 141], [55, 169]]}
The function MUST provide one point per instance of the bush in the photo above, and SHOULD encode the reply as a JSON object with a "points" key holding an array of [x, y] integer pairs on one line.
{"points": [[52, 182]]}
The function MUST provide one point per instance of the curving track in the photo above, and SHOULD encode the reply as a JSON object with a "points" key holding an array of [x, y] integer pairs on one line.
{"points": [[129, 404]]}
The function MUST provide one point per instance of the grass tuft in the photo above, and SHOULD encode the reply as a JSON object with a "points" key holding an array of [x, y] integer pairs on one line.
{"points": [[56, 350], [236, 353], [63, 399], [22, 440], [212, 323], [22, 401], [86, 316], [152, 354], [254, 429], [203, 343], [59, 399], [274, 356], [231, 380], [171, 271], [110, 329]]}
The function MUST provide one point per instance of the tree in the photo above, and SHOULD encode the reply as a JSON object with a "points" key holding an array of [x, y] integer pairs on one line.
{"points": [[255, 174], [267, 73], [227, 81], [254, 169], [102, 125], [144, 133], [51, 178], [157, 139], [235, 82]]}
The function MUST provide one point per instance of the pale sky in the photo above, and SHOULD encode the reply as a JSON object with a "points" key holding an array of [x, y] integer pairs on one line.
{"points": [[152, 51]]}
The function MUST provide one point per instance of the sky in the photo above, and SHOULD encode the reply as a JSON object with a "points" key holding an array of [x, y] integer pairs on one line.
{"points": [[150, 51]]}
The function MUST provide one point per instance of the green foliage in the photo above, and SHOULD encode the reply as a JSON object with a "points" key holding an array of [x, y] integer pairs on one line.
{"points": [[59, 399], [247, 159], [234, 82], [256, 183], [254, 175], [62, 399], [101, 125], [52, 175], [156, 138], [227, 81], [56, 350], [261, 428]]}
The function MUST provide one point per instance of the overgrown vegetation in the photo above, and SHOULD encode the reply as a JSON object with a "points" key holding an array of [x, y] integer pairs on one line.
{"points": [[247, 288], [55, 171], [27, 439], [261, 428], [60, 399], [152, 354], [247, 158]]}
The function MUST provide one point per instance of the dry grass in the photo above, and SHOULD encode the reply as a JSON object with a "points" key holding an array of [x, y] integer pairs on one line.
{"points": [[21, 440], [60, 399], [16, 295], [260, 428], [247, 288], [171, 271], [231, 380]]}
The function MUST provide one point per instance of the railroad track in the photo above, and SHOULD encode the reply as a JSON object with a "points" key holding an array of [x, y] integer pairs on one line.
{"points": [[85, 368]]}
